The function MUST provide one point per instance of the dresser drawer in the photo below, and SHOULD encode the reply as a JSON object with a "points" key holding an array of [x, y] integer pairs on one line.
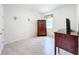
{"points": [[67, 42]]}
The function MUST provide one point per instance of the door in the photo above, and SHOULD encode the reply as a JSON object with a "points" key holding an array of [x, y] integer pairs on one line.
{"points": [[1, 29], [41, 28]]}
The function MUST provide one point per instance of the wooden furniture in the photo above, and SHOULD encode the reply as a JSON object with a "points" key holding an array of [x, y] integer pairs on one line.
{"points": [[68, 42], [41, 28]]}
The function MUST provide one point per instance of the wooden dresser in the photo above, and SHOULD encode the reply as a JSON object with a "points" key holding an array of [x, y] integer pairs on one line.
{"points": [[68, 42]]}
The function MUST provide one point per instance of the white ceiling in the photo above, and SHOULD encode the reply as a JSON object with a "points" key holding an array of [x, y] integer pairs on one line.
{"points": [[41, 8]]}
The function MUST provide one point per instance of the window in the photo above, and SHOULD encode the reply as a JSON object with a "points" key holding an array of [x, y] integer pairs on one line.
{"points": [[49, 21]]}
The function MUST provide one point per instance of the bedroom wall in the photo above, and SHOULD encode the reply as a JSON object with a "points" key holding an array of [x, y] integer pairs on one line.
{"points": [[21, 28], [59, 15], [78, 17], [1, 28]]}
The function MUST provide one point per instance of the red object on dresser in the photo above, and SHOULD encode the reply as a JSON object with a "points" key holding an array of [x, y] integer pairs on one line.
{"points": [[41, 28], [68, 42]]}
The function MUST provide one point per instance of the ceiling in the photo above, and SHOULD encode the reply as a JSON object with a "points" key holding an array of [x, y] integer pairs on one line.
{"points": [[41, 8]]}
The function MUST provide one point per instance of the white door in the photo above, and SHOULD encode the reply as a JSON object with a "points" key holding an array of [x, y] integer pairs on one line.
{"points": [[1, 28]]}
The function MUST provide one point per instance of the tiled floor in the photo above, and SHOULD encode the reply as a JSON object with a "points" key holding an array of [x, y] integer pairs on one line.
{"points": [[34, 46]]}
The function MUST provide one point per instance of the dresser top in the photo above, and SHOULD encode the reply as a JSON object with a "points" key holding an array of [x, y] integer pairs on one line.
{"points": [[71, 33]]}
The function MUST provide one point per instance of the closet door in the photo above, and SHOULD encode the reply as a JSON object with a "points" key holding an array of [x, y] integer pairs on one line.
{"points": [[41, 28]]}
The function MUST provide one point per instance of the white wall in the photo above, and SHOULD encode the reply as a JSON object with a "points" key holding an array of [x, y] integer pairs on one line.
{"points": [[78, 17], [60, 15], [1, 28], [21, 28]]}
